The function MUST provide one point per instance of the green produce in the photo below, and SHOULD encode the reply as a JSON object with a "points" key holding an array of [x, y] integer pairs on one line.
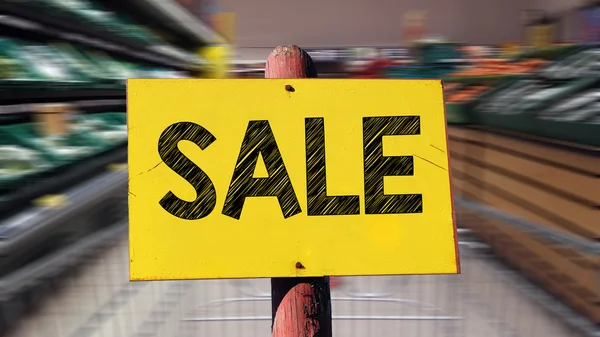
{"points": [[119, 71], [99, 128], [17, 160], [46, 63], [14, 67], [9, 68], [38, 62], [63, 146], [74, 60], [84, 9]]}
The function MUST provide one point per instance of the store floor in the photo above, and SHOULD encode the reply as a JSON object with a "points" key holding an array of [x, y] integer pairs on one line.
{"points": [[100, 302]]}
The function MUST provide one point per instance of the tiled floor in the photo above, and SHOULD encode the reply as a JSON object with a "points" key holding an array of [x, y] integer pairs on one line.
{"points": [[100, 302]]}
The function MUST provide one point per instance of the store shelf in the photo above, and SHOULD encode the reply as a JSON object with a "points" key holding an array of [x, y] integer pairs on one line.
{"points": [[90, 105], [54, 26], [63, 259], [24, 288], [180, 21], [87, 207], [10, 96], [16, 199]]}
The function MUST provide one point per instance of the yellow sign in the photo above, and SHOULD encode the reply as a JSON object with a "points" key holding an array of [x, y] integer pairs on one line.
{"points": [[246, 178]]}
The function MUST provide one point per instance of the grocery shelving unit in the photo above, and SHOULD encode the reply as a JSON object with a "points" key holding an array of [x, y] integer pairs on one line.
{"points": [[526, 168], [559, 101], [29, 21], [63, 193]]}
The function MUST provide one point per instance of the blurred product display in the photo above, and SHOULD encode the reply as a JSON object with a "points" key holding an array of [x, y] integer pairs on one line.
{"points": [[554, 103], [583, 63], [85, 136], [28, 63], [557, 101], [500, 67], [19, 162], [465, 93], [63, 128], [92, 13]]}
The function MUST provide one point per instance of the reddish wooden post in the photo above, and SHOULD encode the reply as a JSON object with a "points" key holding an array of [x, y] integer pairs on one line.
{"points": [[301, 306]]}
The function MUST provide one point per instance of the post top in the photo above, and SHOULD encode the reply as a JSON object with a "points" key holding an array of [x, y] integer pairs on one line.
{"points": [[288, 50], [290, 62]]}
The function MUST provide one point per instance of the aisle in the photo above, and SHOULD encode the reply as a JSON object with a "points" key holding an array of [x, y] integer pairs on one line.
{"points": [[100, 302]]}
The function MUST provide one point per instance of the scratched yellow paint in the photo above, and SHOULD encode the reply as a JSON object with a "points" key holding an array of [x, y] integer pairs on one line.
{"points": [[262, 243]]}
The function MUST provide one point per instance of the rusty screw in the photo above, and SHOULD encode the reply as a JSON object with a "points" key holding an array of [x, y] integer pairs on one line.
{"points": [[299, 266], [289, 88]]}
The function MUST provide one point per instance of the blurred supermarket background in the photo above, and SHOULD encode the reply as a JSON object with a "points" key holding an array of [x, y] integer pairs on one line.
{"points": [[522, 86]]}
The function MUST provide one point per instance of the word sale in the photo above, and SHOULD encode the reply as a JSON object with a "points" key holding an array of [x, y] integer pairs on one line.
{"points": [[259, 140]]}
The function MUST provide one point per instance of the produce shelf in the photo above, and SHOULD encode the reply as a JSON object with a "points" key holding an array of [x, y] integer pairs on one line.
{"points": [[64, 196], [552, 108], [29, 19], [550, 53], [35, 163], [167, 15], [15, 199], [40, 271], [12, 112], [93, 204], [458, 113], [478, 79]]}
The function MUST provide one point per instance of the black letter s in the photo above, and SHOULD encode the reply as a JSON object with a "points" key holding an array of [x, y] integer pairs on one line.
{"points": [[206, 195]]}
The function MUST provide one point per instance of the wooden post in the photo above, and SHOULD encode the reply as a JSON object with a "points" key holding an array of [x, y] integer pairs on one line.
{"points": [[301, 306]]}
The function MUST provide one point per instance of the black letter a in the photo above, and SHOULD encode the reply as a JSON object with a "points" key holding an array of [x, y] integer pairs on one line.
{"points": [[259, 140]]}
